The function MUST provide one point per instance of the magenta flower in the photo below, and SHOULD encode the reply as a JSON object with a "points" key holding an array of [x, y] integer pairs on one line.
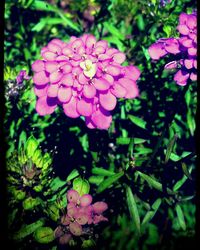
{"points": [[80, 212], [85, 77], [185, 47], [22, 76]]}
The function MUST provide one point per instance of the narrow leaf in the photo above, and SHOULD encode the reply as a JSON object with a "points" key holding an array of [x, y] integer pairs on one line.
{"points": [[137, 121], [132, 206], [28, 229], [185, 170], [102, 171], [72, 175], [180, 183], [109, 181], [150, 214], [170, 147], [180, 216]]}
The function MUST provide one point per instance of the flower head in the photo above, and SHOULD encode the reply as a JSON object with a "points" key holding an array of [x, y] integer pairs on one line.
{"points": [[184, 46], [85, 77]]}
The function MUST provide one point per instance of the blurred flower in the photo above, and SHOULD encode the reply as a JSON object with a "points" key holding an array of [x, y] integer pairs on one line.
{"points": [[85, 77], [14, 83], [184, 46], [164, 2], [22, 76], [80, 212]]}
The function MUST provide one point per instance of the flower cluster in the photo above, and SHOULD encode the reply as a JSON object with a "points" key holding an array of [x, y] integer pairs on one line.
{"points": [[85, 77], [13, 86], [185, 47], [80, 212]]}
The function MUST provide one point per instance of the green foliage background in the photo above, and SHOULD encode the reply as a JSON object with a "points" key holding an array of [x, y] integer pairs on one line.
{"points": [[143, 166]]}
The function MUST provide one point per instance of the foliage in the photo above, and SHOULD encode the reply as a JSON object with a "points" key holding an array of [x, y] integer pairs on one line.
{"points": [[143, 166]]}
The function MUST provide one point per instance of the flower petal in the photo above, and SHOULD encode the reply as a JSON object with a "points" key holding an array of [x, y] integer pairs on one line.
{"points": [[119, 57], [40, 78], [54, 48], [99, 207], [118, 90], [181, 77], [38, 66], [101, 119], [192, 51], [75, 229], [51, 66], [183, 29], [108, 101], [64, 94], [130, 86], [172, 46], [66, 68], [113, 70], [45, 105], [156, 51], [81, 218], [188, 63], [49, 56], [101, 84], [40, 90], [55, 76], [85, 200], [132, 72], [70, 108], [53, 90], [90, 41], [89, 91], [84, 107], [72, 196], [67, 80], [193, 76]]}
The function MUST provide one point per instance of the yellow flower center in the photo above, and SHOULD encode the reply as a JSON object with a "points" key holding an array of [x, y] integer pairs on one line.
{"points": [[89, 68]]}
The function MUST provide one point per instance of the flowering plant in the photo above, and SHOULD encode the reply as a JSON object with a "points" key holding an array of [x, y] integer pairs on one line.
{"points": [[185, 47], [85, 77]]}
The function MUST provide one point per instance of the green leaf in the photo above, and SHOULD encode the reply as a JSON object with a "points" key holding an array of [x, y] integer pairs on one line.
{"points": [[154, 183], [185, 170], [72, 175], [40, 5], [113, 30], [150, 214], [180, 183], [30, 146], [28, 229], [140, 22], [170, 147], [109, 181], [53, 212], [31, 203], [57, 183], [137, 121], [96, 179], [180, 216], [132, 206], [102, 171], [44, 235], [22, 139], [123, 141], [81, 186]]}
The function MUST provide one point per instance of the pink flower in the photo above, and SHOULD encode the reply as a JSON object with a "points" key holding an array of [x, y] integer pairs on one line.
{"points": [[85, 77], [185, 46]]}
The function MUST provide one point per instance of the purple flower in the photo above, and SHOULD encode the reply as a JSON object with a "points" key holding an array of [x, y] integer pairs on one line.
{"points": [[22, 76], [81, 211], [85, 77], [185, 46]]}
